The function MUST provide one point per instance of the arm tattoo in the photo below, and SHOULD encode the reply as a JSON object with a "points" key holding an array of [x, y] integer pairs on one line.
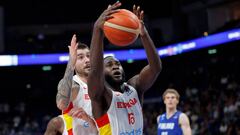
{"points": [[65, 86]]}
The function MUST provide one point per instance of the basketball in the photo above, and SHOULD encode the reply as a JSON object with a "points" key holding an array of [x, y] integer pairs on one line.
{"points": [[123, 28]]}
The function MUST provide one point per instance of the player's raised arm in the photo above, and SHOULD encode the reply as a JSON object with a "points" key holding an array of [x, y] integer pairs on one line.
{"points": [[65, 85], [96, 75], [149, 73]]}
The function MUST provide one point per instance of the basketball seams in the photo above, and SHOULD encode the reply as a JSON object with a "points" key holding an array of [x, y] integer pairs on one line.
{"points": [[119, 27], [117, 38]]}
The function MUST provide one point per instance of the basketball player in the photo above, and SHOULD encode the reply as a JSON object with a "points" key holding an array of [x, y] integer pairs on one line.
{"points": [[173, 122], [117, 104], [73, 91]]}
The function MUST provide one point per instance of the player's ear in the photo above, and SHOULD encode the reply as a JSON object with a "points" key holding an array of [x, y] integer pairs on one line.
{"points": [[164, 101], [177, 101]]}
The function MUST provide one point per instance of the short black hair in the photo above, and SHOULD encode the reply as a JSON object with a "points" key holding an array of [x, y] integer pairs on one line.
{"points": [[82, 46]]}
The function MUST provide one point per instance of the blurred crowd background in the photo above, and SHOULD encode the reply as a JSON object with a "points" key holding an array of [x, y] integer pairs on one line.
{"points": [[208, 80]]}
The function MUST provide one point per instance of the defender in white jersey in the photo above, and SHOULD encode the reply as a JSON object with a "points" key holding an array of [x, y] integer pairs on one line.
{"points": [[117, 105], [73, 89]]}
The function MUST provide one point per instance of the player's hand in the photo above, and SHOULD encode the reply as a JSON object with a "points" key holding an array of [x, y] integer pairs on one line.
{"points": [[73, 51], [79, 113], [107, 14], [140, 14]]}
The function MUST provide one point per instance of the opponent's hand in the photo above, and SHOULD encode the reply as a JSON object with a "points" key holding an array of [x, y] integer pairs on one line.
{"points": [[73, 51], [140, 14], [107, 14]]}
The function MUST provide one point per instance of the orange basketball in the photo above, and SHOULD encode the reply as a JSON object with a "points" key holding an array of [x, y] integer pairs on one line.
{"points": [[123, 28]]}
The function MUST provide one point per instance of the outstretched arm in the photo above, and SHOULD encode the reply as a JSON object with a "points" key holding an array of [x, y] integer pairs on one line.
{"points": [[149, 73], [55, 126], [96, 75], [185, 124], [65, 85]]}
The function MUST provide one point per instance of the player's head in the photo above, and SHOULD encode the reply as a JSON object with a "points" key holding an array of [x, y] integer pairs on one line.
{"points": [[82, 66], [113, 70], [171, 98]]}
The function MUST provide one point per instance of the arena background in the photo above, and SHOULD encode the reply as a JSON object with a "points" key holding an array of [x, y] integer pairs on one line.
{"points": [[207, 79]]}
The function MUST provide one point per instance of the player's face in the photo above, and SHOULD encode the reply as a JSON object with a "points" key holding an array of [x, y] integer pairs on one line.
{"points": [[113, 70], [83, 63], [170, 100]]}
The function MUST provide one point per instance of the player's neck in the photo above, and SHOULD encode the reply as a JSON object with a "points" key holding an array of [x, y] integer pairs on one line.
{"points": [[171, 112], [115, 87], [82, 78]]}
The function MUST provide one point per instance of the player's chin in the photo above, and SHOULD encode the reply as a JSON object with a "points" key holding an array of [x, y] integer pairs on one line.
{"points": [[118, 79], [87, 70], [171, 106]]}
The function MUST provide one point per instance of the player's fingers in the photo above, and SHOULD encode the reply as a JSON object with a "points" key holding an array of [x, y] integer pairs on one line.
{"points": [[142, 15], [75, 113], [109, 6], [73, 41], [114, 6], [79, 114], [76, 46], [134, 9], [108, 16], [72, 111], [138, 11]]}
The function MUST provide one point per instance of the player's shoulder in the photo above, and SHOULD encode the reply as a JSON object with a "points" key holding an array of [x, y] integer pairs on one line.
{"points": [[75, 84], [158, 117], [56, 121], [133, 81], [183, 118], [161, 116], [183, 115]]}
